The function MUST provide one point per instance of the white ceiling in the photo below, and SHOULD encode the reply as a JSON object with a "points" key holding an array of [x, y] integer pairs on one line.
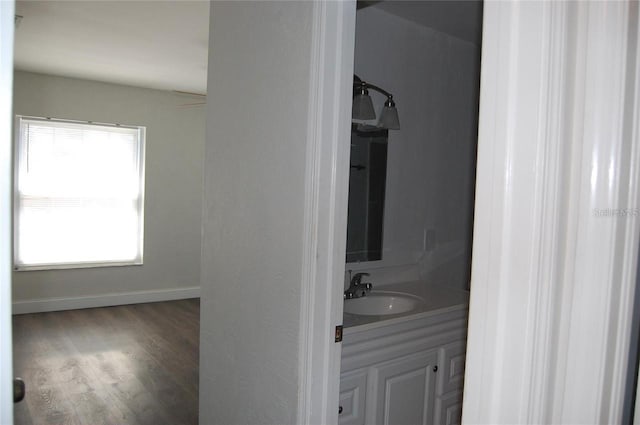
{"points": [[459, 18], [164, 44], [154, 44]]}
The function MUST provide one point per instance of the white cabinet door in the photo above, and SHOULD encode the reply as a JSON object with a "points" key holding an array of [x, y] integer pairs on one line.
{"points": [[451, 373], [403, 389], [449, 409], [353, 393]]}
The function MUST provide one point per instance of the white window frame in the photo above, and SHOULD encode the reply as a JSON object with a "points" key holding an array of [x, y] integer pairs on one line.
{"points": [[18, 151]]}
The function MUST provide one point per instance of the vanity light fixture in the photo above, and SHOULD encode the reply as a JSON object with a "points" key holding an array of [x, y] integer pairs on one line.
{"points": [[363, 105]]}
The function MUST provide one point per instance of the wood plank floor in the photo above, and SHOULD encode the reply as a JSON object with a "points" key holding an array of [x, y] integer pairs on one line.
{"points": [[125, 365]]}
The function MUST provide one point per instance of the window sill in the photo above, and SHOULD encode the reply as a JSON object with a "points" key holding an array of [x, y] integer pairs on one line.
{"points": [[26, 268]]}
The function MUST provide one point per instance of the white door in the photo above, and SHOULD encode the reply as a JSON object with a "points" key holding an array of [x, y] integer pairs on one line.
{"points": [[556, 226], [6, 83], [404, 389]]}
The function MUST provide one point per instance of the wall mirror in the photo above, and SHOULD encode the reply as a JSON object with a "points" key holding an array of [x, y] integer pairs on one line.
{"points": [[367, 180]]}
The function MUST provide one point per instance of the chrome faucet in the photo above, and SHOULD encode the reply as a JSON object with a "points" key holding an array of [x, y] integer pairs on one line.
{"points": [[357, 288]]}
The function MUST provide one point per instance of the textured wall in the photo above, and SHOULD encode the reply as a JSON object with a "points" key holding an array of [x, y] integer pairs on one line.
{"points": [[253, 212], [173, 197], [431, 160]]}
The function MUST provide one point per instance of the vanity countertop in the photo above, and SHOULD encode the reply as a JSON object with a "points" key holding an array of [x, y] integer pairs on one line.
{"points": [[437, 298]]}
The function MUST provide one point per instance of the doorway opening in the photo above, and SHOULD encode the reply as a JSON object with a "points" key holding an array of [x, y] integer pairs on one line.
{"points": [[88, 343], [405, 331]]}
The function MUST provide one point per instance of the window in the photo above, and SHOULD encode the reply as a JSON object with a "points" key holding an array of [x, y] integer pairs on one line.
{"points": [[79, 199]]}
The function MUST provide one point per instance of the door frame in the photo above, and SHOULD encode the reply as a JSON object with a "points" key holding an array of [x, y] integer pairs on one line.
{"points": [[325, 216], [7, 17], [557, 215], [559, 99]]}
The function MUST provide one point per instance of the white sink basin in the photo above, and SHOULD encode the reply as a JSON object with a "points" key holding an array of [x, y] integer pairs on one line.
{"points": [[380, 303]]}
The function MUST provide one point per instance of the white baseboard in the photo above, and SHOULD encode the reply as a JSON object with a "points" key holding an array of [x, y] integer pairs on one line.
{"points": [[105, 300]]}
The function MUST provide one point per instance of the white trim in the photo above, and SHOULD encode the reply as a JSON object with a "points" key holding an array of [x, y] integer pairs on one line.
{"points": [[636, 413], [67, 266], [601, 272], [552, 283], [106, 300], [328, 142], [71, 121], [7, 16], [636, 136], [508, 244]]}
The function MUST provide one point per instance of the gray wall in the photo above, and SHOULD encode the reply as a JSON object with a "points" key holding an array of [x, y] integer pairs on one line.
{"points": [[434, 78], [174, 164], [259, 63]]}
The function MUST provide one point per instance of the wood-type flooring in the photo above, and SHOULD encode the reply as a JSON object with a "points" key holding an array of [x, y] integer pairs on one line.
{"points": [[125, 365]]}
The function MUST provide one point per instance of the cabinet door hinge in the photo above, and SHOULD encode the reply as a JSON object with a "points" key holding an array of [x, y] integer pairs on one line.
{"points": [[339, 333]]}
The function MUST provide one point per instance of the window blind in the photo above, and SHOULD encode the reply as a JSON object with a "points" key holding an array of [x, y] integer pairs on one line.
{"points": [[79, 194]]}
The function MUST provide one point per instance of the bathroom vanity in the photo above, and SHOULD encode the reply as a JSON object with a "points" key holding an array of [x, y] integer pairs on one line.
{"points": [[405, 368]]}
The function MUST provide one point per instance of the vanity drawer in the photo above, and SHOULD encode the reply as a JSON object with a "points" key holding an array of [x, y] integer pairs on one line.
{"points": [[353, 391], [451, 362]]}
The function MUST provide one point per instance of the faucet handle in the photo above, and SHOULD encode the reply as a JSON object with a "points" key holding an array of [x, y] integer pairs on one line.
{"points": [[357, 278], [367, 288]]}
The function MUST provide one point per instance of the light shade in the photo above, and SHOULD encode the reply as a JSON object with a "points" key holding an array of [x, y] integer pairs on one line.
{"points": [[389, 116], [362, 108]]}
